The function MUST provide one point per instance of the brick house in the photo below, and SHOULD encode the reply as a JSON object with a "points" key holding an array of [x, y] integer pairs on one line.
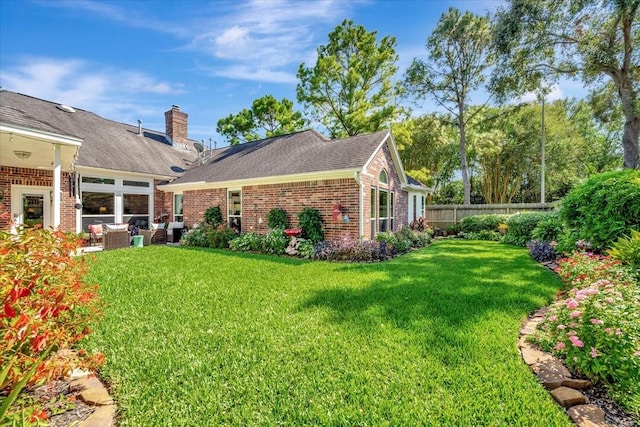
{"points": [[111, 172]]}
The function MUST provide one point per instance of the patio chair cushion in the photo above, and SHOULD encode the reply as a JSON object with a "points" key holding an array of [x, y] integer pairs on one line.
{"points": [[115, 227]]}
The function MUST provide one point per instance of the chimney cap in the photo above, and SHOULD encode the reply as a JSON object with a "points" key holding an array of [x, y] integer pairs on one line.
{"points": [[175, 107]]}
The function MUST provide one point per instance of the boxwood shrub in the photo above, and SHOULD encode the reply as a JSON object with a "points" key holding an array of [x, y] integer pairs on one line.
{"points": [[521, 227], [604, 208], [478, 223]]}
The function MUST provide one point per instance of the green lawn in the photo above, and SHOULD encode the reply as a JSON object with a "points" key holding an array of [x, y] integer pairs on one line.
{"points": [[200, 337]]}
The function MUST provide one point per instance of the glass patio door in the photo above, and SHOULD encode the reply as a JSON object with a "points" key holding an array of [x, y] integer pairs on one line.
{"points": [[31, 206]]}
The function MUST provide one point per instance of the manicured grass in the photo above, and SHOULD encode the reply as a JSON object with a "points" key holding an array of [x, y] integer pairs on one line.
{"points": [[203, 337]]}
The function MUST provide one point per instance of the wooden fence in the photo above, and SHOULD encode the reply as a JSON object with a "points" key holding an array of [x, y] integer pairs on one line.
{"points": [[443, 216]]}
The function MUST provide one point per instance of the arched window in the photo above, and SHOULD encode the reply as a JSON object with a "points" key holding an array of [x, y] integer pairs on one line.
{"points": [[383, 177]]}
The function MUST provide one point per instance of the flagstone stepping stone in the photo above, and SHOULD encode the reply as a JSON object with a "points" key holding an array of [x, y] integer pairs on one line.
{"points": [[568, 397]]}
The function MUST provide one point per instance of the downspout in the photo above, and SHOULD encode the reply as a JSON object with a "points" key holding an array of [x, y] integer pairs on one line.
{"points": [[356, 176]]}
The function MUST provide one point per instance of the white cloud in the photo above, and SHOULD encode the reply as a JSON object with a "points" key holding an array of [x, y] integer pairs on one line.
{"points": [[112, 93], [263, 40], [554, 94]]}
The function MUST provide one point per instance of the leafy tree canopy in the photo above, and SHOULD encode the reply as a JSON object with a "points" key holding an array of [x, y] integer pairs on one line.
{"points": [[594, 40], [267, 117], [350, 90]]}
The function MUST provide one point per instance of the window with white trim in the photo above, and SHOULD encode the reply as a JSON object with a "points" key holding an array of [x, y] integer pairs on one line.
{"points": [[178, 208], [373, 212], [234, 215]]}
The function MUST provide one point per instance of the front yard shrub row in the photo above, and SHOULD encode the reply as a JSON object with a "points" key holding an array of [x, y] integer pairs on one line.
{"points": [[46, 308], [346, 249], [595, 326]]}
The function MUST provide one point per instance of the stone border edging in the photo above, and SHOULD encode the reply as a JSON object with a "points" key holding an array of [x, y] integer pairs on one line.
{"points": [[92, 392], [556, 378]]}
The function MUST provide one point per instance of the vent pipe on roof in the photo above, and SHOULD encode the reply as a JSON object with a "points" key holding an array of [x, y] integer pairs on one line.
{"points": [[139, 127]]}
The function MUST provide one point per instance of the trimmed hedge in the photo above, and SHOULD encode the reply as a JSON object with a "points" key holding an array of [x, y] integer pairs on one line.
{"points": [[604, 208], [478, 223], [521, 227]]}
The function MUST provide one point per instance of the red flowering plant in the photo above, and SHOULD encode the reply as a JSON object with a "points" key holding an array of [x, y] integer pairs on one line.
{"points": [[46, 307], [595, 326]]}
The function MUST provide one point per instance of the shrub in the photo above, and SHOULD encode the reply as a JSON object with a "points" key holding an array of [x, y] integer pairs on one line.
{"points": [[521, 226], [542, 251], [549, 229], [277, 219], [246, 242], [604, 208], [483, 235], [46, 307], [220, 237], [195, 237], [478, 223], [311, 224], [348, 250], [595, 327], [305, 248], [627, 250], [213, 216], [418, 239], [274, 242]]}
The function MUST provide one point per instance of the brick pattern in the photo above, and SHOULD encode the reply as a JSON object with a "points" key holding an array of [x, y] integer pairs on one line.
{"points": [[41, 178], [176, 125], [196, 202], [383, 161]]}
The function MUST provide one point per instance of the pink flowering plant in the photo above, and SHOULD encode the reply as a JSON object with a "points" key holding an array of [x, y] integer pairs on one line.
{"points": [[595, 325]]}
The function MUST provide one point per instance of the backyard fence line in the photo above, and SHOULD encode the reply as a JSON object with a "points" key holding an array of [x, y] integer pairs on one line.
{"points": [[444, 216]]}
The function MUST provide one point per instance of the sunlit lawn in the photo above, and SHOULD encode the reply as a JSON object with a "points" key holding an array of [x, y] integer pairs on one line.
{"points": [[197, 337]]}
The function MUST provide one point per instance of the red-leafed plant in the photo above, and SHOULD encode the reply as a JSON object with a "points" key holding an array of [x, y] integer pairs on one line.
{"points": [[46, 307]]}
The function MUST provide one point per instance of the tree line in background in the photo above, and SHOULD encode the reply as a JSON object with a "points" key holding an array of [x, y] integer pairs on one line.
{"points": [[494, 144]]}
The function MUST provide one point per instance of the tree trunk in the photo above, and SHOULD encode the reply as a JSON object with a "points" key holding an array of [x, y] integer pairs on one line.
{"points": [[631, 127], [463, 156]]}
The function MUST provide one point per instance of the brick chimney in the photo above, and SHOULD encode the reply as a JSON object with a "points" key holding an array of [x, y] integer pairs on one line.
{"points": [[176, 126]]}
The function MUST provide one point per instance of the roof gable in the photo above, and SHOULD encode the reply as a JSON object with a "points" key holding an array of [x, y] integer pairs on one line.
{"points": [[305, 152], [106, 144]]}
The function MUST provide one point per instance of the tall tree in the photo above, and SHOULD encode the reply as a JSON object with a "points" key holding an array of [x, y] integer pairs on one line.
{"points": [[459, 55], [589, 39], [350, 90], [428, 148], [267, 117]]}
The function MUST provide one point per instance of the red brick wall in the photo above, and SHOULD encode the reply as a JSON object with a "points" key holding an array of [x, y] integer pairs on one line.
{"points": [[322, 195], [383, 160], [41, 178], [196, 202]]}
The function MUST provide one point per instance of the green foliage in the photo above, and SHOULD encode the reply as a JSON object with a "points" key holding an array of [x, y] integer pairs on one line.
{"points": [[549, 229], [274, 242], [627, 250], [521, 227], [47, 307], [196, 236], [213, 216], [305, 248], [604, 208], [459, 54], [350, 90], [310, 222], [267, 117], [220, 237], [478, 223], [540, 41], [246, 242], [595, 326], [277, 218]]}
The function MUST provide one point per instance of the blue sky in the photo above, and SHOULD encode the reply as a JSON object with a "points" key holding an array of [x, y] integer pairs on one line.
{"points": [[130, 60]]}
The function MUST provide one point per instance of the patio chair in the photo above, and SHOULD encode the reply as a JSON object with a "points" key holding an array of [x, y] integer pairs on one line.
{"points": [[157, 235], [174, 231], [95, 234], [116, 236]]}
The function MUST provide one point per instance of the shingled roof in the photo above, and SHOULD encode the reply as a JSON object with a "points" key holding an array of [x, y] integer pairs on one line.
{"points": [[106, 144], [298, 153]]}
